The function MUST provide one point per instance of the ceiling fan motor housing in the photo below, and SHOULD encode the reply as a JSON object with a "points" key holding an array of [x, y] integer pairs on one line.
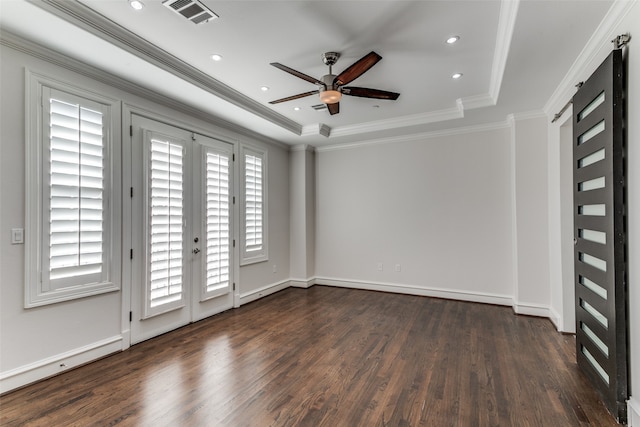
{"points": [[328, 79]]}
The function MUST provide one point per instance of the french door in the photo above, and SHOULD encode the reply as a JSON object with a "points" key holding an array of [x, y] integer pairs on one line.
{"points": [[182, 209], [599, 226]]}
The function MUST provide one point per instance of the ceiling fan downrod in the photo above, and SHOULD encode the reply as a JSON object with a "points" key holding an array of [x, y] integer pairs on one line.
{"points": [[330, 58]]}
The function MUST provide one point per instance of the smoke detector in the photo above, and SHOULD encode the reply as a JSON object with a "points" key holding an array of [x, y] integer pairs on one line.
{"points": [[193, 10]]}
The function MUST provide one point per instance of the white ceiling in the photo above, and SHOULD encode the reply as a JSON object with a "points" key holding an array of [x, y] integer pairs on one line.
{"points": [[512, 54]]}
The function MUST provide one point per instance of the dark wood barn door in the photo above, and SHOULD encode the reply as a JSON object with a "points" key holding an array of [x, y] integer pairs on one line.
{"points": [[599, 227]]}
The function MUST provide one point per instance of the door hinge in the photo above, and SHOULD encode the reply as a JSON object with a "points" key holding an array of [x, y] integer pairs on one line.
{"points": [[130, 253], [233, 157], [234, 200], [131, 316], [234, 286], [130, 130], [234, 243], [131, 192]]}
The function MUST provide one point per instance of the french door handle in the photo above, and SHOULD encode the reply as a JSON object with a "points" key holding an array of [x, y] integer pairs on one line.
{"points": [[196, 250]]}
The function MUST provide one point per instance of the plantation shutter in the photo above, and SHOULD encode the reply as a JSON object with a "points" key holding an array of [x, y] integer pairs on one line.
{"points": [[165, 224], [217, 223], [253, 203], [76, 192]]}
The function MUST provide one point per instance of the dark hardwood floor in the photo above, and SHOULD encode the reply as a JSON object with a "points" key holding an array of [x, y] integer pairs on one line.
{"points": [[329, 357]]}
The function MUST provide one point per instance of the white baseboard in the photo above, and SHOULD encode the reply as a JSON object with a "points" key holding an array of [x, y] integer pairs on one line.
{"points": [[532, 310], [633, 412], [554, 316], [263, 291], [126, 338], [452, 294], [50, 366], [303, 283]]}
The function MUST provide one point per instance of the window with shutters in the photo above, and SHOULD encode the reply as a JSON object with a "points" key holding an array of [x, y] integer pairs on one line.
{"points": [[70, 191], [217, 224], [165, 223], [254, 242]]}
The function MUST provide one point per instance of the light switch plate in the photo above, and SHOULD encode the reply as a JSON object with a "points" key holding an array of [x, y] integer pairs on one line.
{"points": [[17, 236]]}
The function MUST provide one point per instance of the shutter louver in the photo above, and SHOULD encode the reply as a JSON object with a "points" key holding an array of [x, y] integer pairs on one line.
{"points": [[76, 191], [217, 222], [253, 203], [165, 222]]}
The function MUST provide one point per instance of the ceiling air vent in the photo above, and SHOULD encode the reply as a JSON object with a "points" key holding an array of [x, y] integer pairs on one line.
{"points": [[194, 11], [319, 107]]}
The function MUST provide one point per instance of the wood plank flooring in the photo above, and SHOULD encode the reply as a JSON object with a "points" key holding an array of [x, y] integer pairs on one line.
{"points": [[329, 357]]}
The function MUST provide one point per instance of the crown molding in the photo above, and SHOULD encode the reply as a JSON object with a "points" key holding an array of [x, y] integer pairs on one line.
{"points": [[589, 57], [476, 101], [399, 122], [84, 17], [48, 55], [462, 104], [316, 129], [506, 25], [527, 115], [302, 147], [417, 136]]}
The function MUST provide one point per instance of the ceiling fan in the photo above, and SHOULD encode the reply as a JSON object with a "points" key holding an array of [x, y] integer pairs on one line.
{"points": [[332, 87]]}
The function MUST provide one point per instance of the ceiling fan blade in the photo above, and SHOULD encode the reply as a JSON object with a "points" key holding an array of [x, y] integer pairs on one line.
{"points": [[298, 74], [333, 108], [291, 98], [357, 69], [365, 92]]}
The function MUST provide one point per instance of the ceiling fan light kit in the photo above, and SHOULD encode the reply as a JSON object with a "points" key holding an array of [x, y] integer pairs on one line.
{"points": [[332, 87], [330, 96]]}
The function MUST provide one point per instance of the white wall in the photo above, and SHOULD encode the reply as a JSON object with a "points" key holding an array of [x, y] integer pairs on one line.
{"points": [[632, 26], [36, 341], [529, 191], [31, 336], [310, 207], [560, 204], [633, 212], [302, 216], [596, 51], [260, 279], [439, 207]]}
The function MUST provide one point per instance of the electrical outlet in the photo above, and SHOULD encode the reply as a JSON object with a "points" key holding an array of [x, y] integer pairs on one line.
{"points": [[380, 266], [275, 268], [398, 268]]}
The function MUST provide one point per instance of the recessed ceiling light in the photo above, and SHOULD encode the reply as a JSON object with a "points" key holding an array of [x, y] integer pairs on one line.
{"points": [[296, 108], [216, 57], [456, 75], [264, 88], [453, 39], [136, 4]]}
